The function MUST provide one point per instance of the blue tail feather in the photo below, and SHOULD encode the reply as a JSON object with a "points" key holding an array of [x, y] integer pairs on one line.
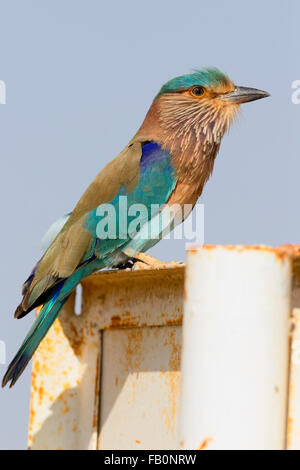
{"points": [[46, 318], [39, 329]]}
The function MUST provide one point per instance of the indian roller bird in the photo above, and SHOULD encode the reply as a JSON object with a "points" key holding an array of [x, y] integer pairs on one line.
{"points": [[166, 163]]}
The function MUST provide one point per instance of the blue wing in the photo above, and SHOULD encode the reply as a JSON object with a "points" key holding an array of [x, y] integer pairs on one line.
{"points": [[128, 212]]}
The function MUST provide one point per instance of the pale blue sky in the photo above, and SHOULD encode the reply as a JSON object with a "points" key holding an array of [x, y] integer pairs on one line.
{"points": [[80, 76]]}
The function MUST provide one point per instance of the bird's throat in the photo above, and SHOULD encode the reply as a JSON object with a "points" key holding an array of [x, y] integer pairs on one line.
{"points": [[191, 132]]}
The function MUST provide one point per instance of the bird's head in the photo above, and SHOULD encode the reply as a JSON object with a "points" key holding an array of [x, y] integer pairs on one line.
{"points": [[211, 85], [203, 103]]}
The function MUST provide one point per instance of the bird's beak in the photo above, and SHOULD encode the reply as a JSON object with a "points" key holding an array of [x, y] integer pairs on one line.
{"points": [[244, 95]]}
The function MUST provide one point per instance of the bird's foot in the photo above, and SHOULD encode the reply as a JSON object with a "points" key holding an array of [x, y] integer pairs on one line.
{"points": [[128, 264], [144, 261]]}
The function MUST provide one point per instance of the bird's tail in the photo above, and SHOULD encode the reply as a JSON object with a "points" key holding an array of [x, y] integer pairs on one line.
{"points": [[43, 322]]}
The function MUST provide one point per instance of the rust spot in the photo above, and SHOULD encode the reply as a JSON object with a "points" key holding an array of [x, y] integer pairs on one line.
{"points": [[122, 302], [289, 431], [172, 341], [41, 394], [181, 443], [75, 338], [115, 320], [292, 326], [276, 388], [172, 381], [137, 441], [62, 399], [124, 321], [96, 396], [133, 354], [67, 385], [293, 250], [66, 410], [281, 252], [57, 328], [166, 271], [205, 443], [176, 321], [116, 381]]}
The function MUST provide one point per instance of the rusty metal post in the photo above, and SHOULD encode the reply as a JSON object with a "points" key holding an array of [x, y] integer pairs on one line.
{"points": [[293, 434], [293, 428], [108, 378], [235, 348]]}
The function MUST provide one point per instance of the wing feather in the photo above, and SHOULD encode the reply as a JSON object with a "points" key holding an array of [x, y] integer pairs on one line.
{"points": [[144, 174]]}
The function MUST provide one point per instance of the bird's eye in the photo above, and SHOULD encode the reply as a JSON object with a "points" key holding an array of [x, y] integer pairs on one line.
{"points": [[197, 91]]}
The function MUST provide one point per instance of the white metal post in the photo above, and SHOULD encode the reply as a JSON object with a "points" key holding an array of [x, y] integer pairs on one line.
{"points": [[235, 348]]}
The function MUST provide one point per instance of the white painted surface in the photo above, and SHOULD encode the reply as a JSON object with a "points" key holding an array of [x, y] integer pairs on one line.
{"points": [[140, 388], [235, 349]]}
